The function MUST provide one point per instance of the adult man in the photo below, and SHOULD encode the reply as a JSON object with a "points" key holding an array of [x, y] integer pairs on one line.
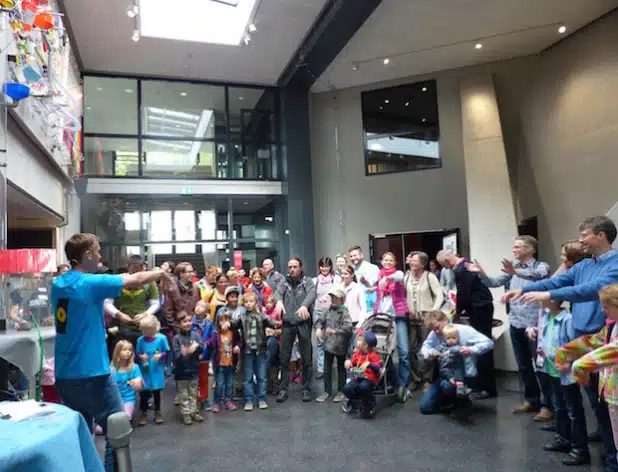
{"points": [[81, 360], [525, 270], [30, 303], [475, 301], [271, 276], [132, 305], [366, 275], [295, 297], [442, 392], [580, 286]]}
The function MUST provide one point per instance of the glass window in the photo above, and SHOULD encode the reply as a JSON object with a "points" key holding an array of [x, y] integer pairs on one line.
{"points": [[106, 157], [114, 220], [195, 158], [110, 105], [252, 115], [254, 218], [183, 110], [401, 128]]}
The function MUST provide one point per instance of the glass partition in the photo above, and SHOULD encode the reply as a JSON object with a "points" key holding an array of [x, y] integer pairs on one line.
{"points": [[182, 129]]}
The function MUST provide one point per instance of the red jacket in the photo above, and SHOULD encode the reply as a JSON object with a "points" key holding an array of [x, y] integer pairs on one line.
{"points": [[267, 292], [373, 371]]}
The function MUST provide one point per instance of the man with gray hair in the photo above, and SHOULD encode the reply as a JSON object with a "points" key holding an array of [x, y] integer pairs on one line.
{"points": [[517, 274], [475, 301]]}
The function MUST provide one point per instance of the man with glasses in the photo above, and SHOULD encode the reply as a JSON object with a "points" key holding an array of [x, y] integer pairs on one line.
{"points": [[295, 297]]}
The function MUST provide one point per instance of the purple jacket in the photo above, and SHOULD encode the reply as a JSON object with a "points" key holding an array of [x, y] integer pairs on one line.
{"points": [[214, 346]]}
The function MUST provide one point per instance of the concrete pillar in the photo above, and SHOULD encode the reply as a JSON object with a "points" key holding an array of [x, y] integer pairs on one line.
{"points": [[491, 213]]}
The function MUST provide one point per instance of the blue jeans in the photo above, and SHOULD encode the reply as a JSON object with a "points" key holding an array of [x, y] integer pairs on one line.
{"points": [[440, 394], [570, 416], [525, 354], [272, 353], [254, 364], [360, 393], [225, 384], [403, 352], [95, 398]]}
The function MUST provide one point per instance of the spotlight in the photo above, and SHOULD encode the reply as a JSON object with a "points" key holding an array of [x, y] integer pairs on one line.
{"points": [[386, 61], [133, 11], [478, 46], [247, 39], [387, 101], [183, 94], [252, 28], [424, 89], [135, 36], [354, 66], [562, 29], [407, 104]]}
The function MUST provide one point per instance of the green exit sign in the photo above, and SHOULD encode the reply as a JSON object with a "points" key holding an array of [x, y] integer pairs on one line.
{"points": [[186, 191]]}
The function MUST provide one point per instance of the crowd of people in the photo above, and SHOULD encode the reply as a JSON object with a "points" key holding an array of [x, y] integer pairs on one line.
{"points": [[255, 335]]}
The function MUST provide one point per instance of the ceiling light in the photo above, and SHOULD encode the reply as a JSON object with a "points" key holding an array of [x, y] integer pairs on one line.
{"points": [[478, 46], [183, 94], [246, 203], [247, 39], [424, 89], [133, 11], [252, 28], [241, 98], [386, 61], [386, 101], [562, 29], [381, 107], [88, 108], [423, 120], [135, 36], [128, 90], [99, 89], [407, 104], [354, 66]]}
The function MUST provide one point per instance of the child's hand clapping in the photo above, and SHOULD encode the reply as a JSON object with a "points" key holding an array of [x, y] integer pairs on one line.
{"points": [[144, 357], [347, 364], [330, 331], [157, 357], [236, 350], [193, 347]]}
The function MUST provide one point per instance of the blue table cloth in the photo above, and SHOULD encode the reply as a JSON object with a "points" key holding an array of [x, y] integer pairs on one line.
{"points": [[58, 442]]}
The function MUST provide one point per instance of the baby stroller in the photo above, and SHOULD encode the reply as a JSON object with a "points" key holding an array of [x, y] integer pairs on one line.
{"points": [[383, 326]]}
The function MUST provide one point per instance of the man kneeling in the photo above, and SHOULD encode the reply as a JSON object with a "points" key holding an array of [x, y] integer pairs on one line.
{"points": [[442, 393]]}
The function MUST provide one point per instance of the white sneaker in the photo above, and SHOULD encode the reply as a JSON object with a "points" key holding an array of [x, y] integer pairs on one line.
{"points": [[322, 398]]}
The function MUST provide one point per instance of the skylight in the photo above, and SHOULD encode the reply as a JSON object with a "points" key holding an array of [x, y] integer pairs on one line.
{"points": [[201, 21]]}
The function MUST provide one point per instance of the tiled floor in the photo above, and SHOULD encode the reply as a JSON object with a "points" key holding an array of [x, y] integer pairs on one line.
{"points": [[315, 437]]}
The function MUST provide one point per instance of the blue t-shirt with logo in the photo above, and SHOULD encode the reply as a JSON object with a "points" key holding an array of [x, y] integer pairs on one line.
{"points": [[77, 305], [123, 380]]}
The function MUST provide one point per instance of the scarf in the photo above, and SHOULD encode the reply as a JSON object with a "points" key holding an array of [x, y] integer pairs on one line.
{"points": [[390, 286], [325, 279]]}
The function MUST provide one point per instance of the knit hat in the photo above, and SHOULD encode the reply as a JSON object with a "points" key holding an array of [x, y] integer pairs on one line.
{"points": [[233, 289], [337, 291], [370, 339]]}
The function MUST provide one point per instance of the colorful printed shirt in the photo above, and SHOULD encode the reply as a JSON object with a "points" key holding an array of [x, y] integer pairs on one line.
{"points": [[227, 344], [592, 353]]}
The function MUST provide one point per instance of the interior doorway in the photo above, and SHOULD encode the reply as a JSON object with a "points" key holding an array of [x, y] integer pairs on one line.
{"points": [[401, 244]]}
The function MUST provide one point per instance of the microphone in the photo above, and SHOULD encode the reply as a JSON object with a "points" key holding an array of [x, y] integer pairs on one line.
{"points": [[119, 436]]}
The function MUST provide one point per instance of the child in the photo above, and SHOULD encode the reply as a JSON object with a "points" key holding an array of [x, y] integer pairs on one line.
{"points": [[224, 345], [599, 352], [451, 363], [152, 350], [334, 327], [365, 365], [556, 331], [48, 383], [272, 345], [187, 349], [235, 311], [204, 327], [126, 374], [253, 324]]}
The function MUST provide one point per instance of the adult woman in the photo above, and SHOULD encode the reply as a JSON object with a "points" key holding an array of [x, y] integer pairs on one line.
{"points": [[340, 264], [262, 290], [423, 295], [354, 296], [323, 282], [435, 268], [391, 299], [217, 299]]}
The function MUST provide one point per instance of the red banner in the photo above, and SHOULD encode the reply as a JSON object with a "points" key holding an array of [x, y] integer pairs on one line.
{"points": [[237, 259], [27, 261]]}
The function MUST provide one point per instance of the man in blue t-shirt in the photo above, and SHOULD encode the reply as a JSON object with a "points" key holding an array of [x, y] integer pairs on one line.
{"points": [[81, 360]]}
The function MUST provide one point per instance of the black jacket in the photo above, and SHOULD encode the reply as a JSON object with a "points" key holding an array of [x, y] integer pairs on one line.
{"points": [[244, 324], [295, 294], [471, 291], [187, 367]]}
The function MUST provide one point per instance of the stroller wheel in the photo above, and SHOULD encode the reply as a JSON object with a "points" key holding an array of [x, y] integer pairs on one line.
{"points": [[346, 406]]}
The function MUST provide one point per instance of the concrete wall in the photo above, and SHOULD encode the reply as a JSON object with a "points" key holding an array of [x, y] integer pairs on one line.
{"points": [[559, 114]]}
